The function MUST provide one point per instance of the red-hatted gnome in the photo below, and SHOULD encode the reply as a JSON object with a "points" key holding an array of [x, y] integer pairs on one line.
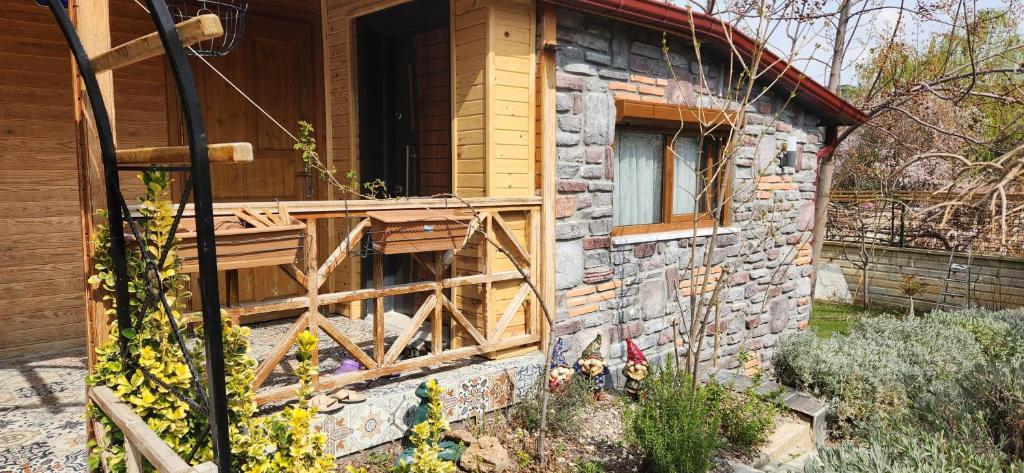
{"points": [[561, 373], [592, 365], [636, 370]]}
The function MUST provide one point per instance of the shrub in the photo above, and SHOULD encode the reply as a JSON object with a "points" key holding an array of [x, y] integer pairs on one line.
{"points": [[564, 408], [996, 390], [676, 425], [748, 418], [278, 443], [1000, 334], [878, 368], [426, 438]]}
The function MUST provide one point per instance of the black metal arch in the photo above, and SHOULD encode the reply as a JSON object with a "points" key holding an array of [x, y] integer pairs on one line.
{"points": [[213, 399]]}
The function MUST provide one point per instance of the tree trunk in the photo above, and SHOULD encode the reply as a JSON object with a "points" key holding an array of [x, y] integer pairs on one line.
{"points": [[826, 165]]}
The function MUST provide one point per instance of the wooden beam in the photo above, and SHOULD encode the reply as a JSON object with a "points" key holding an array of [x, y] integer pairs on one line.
{"points": [[549, 159], [414, 325], [327, 383], [137, 433], [219, 153], [341, 252], [296, 274], [346, 343], [425, 286], [358, 208], [510, 312], [510, 243], [461, 318], [378, 309], [312, 294], [267, 366], [191, 31]]}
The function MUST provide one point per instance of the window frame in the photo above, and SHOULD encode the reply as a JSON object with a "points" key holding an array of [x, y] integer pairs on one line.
{"points": [[654, 122]]}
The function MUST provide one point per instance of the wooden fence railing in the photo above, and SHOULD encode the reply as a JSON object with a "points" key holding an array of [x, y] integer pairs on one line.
{"points": [[479, 289], [141, 444]]}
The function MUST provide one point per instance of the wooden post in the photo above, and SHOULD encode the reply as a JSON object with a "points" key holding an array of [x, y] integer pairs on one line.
{"points": [[378, 309], [312, 292], [437, 328], [92, 19], [548, 150]]}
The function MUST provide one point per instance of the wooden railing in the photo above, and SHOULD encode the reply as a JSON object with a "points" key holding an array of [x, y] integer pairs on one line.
{"points": [[141, 444], [502, 247]]}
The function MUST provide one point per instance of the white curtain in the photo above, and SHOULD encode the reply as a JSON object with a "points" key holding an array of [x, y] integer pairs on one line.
{"points": [[638, 162], [686, 182]]}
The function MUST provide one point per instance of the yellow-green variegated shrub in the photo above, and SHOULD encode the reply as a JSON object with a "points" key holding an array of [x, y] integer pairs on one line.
{"points": [[283, 442]]}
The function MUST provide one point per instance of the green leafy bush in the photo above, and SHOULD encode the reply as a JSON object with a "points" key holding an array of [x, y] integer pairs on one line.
{"points": [[282, 442], [748, 418], [564, 408], [943, 432], [996, 390], [878, 368], [676, 425]]}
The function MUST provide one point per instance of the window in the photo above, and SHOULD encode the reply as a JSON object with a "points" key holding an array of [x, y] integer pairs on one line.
{"points": [[663, 180]]}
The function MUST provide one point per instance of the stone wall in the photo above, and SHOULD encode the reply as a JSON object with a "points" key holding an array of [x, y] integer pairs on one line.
{"points": [[997, 282], [628, 286]]}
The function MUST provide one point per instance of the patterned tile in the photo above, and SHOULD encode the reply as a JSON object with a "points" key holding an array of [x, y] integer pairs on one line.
{"points": [[42, 421]]}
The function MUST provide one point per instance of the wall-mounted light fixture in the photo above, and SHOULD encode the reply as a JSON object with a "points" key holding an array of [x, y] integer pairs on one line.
{"points": [[787, 159]]}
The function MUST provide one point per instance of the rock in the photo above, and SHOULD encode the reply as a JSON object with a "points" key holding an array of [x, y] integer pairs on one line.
{"points": [[485, 456], [831, 284], [568, 264], [461, 436]]}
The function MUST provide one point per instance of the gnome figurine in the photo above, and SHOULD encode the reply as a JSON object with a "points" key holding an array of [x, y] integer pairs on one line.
{"points": [[636, 370], [591, 364], [561, 372]]}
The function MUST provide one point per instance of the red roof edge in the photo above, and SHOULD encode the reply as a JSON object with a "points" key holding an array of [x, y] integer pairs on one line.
{"points": [[834, 110]]}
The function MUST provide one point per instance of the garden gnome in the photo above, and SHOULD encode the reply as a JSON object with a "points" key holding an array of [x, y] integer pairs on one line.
{"points": [[561, 373], [591, 364], [636, 369]]}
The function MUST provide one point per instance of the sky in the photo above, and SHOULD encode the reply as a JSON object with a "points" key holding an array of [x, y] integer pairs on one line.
{"points": [[815, 38]]}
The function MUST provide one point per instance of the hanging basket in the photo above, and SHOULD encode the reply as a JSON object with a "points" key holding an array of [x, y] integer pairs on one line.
{"points": [[232, 18]]}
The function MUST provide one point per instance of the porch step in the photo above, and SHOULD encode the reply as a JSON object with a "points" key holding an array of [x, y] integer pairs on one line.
{"points": [[789, 440], [191, 31], [219, 153]]}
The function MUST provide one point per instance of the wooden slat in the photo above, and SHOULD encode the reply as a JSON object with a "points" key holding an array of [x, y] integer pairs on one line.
{"points": [[192, 31], [219, 153], [346, 343], [510, 243], [336, 381], [458, 316], [363, 294], [138, 433], [341, 252], [414, 325], [356, 208], [510, 311], [267, 366], [295, 273]]}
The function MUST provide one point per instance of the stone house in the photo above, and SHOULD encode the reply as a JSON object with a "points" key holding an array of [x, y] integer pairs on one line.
{"points": [[625, 272]]}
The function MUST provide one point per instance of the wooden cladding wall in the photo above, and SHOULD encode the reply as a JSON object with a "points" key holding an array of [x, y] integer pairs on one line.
{"points": [[470, 22], [41, 280]]}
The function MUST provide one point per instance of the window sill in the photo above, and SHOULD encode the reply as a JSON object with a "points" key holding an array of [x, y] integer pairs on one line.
{"points": [[669, 235]]}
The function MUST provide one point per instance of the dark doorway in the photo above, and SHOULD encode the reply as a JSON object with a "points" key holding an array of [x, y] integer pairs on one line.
{"points": [[404, 79]]}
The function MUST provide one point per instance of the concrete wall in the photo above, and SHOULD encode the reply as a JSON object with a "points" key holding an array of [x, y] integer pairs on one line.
{"points": [[998, 282], [627, 286]]}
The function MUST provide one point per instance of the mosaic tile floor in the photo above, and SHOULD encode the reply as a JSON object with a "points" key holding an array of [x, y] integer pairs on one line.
{"points": [[42, 426]]}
